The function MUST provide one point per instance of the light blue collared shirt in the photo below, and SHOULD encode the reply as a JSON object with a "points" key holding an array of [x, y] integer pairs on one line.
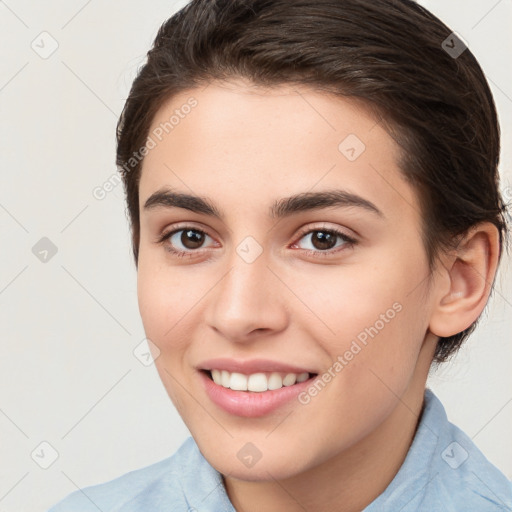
{"points": [[444, 471]]}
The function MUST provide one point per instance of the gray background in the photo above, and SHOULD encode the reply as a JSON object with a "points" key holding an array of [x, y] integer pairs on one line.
{"points": [[68, 373]]}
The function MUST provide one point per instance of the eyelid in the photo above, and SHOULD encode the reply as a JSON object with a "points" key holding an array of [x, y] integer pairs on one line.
{"points": [[324, 226], [183, 226]]}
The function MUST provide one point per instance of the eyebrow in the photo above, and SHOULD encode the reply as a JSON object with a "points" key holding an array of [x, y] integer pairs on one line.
{"points": [[305, 201]]}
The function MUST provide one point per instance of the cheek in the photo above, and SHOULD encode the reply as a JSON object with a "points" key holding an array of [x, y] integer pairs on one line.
{"points": [[163, 312], [152, 300], [349, 300], [165, 297], [381, 355], [376, 318], [162, 302]]}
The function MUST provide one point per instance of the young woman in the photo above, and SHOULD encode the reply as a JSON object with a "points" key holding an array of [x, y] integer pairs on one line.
{"points": [[313, 195]]}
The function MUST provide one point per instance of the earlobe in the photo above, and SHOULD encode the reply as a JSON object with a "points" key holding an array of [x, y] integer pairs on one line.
{"points": [[470, 275]]}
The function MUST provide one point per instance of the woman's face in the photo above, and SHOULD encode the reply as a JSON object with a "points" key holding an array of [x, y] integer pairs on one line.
{"points": [[264, 290]]}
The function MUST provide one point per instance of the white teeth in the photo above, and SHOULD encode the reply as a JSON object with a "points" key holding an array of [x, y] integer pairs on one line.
{"points": [[302, 377], [216, 376], [238, 381], [224, 378], [275, 381], [290, 379], [256, 382]]}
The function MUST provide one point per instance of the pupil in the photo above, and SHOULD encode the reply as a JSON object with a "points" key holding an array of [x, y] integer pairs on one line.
{"points": [[192, 239], [323, 240]]}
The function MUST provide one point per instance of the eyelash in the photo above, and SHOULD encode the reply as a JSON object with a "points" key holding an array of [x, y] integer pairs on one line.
{"points": [[349, 242]]}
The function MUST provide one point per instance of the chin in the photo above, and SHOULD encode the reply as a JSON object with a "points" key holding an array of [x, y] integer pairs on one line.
{"points": [[250, 464], [263, 470]]}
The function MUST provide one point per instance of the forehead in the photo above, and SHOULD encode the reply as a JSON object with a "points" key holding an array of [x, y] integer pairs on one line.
{"points": [[247, 145]]}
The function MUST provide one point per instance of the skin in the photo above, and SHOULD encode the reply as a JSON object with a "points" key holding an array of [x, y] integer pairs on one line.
{"points": [[244, 147]]}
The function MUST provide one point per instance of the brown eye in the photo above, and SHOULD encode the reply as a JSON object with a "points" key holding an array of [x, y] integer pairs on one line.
{"points": [[191, 238], [184, 241], [323, 240]]}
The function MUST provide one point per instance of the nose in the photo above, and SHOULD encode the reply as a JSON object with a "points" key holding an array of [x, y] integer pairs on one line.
{"points": [[248, 302]]}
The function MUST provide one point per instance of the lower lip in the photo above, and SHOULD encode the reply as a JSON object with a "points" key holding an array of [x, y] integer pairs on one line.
{"points": [[251, 404]]}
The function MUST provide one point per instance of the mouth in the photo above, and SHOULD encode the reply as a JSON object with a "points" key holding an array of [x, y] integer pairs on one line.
{"points": [[257, 394], [258, 382]]}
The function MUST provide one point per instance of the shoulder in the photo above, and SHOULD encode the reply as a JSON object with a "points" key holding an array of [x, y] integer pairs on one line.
{"points": [[444, 470], [460, 476], [466, 476], [137, 490]]}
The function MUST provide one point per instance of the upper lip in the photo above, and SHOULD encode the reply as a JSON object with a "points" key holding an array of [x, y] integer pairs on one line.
{"points": [[250, 366]]}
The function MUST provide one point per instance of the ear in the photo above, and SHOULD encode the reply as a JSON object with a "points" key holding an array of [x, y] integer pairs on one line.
{"points": [[466, 281]]}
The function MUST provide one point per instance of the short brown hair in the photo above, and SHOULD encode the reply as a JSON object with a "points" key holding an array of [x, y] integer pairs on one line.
{"points": [[391, 54]]}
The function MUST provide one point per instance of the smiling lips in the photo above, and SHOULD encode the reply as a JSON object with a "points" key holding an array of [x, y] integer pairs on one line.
{"points": [[252, 388]]}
